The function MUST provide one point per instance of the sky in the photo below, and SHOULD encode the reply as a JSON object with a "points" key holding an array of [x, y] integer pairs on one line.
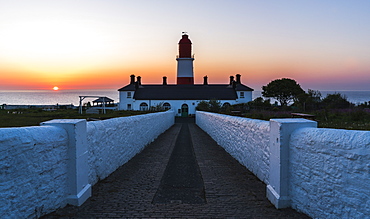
{"points": [[91, 44]]}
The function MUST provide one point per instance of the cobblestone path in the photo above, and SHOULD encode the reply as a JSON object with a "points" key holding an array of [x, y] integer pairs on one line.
{"points": [[230, 190]]}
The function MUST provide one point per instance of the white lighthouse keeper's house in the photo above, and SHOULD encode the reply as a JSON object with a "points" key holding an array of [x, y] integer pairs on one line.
{"points": [[184, 96]]}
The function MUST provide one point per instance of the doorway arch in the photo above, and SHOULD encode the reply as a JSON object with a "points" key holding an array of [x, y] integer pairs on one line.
{"points": [[184, 110]]}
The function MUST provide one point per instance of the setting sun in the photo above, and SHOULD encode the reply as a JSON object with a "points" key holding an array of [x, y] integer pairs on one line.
{"points": [[93, 45], [55, 88]]}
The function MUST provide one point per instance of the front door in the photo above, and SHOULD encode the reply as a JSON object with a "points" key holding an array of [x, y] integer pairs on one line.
{"points": [[184, 110]]}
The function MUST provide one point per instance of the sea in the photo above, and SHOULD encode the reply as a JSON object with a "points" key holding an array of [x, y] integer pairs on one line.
{"points": [[68, 97], [61, 97]]}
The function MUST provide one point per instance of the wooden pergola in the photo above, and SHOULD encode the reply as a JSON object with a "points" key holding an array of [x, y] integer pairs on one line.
{"points": [[100, 99], [103, 100]]}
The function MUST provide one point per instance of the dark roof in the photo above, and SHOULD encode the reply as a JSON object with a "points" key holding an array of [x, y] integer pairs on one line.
{"points": [[103, 99], [185, 92], [130, 87], [242, 87]]}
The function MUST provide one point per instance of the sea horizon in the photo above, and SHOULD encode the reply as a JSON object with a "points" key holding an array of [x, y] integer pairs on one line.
{"points": [[67, 97]]}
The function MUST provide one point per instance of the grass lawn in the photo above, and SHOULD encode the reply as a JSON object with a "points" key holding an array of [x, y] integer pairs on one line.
{"points": [[33, 117], [341, 119], [353, 119]]}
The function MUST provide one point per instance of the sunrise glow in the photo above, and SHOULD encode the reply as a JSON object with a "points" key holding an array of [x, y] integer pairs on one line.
{"points": [[55, 88], [94, 45]]}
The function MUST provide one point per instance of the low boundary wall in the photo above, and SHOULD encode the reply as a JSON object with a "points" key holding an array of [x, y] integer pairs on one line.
{"points": [[45, 167], [129, 136], [324, 173], [330, 172], [33, 170], [247, 140]]}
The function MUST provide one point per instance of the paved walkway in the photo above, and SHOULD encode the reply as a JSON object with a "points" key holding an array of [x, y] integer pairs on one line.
{"points": [[229, 189]]}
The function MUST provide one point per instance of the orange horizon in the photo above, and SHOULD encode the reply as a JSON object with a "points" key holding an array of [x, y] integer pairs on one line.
{"points": [[93, 45]]}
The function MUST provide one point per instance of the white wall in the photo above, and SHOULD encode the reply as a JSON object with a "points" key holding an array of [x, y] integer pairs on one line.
{"points": [[113, 142], [247, 140], [33, 167], [247, 96], [330, 172], [123, 100], [175, 104], [35, 172], [329, 169]]}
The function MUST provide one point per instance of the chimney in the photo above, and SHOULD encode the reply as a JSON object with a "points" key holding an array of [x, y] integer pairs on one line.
{"points": [[238, 79], [205, 80], [231, 80], [132, 79], [138, 80], [164, 80], [234, 84]]}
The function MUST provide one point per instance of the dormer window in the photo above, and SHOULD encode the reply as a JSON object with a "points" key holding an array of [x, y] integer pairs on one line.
{"points": [[128, 94], [241, 94]]}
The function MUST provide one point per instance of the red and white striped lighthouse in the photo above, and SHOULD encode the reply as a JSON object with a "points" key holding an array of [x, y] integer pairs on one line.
{"points": [[185, 60]]}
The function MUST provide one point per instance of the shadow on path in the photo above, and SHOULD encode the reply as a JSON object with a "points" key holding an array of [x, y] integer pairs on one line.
{"points": [[182, 181]]}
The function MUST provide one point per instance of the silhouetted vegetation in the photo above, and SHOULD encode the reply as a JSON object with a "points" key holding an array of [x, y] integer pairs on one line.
{"points": [[332, 111], [210, 106], [283, 90]]}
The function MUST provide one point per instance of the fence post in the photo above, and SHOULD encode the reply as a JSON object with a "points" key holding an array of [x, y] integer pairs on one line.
{"points": [[280, 131], [78, 168]]}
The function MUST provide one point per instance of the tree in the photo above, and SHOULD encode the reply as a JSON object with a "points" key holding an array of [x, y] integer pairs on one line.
{"points": [[309, 101], [260, 103], [283, 90], [336, 101], [203, 106], [214, 105], [210, 106]]}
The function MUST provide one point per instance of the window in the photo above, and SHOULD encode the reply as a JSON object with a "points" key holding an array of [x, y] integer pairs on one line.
{"points": [[241, 94], [128, 94], [129, 107], [143, 107], [167, 106], [226, 105]]}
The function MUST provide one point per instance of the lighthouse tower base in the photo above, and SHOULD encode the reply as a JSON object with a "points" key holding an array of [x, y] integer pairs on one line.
{"points": [[185, 71]]}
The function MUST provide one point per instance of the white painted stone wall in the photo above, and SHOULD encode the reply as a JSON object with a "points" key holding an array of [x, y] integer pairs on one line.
{"points": [[247, 140], [330, 172], [34, 167], [329, 169], [123, 100], [33, 170], [115, 141], [175, 104]]}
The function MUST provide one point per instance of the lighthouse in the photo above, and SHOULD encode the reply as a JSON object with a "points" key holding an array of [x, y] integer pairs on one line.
{"points": [[184, 96], [185, 60]]}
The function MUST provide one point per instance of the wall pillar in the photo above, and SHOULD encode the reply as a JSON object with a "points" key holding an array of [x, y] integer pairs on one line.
{"points": [[280, 131], [79, 189]]}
